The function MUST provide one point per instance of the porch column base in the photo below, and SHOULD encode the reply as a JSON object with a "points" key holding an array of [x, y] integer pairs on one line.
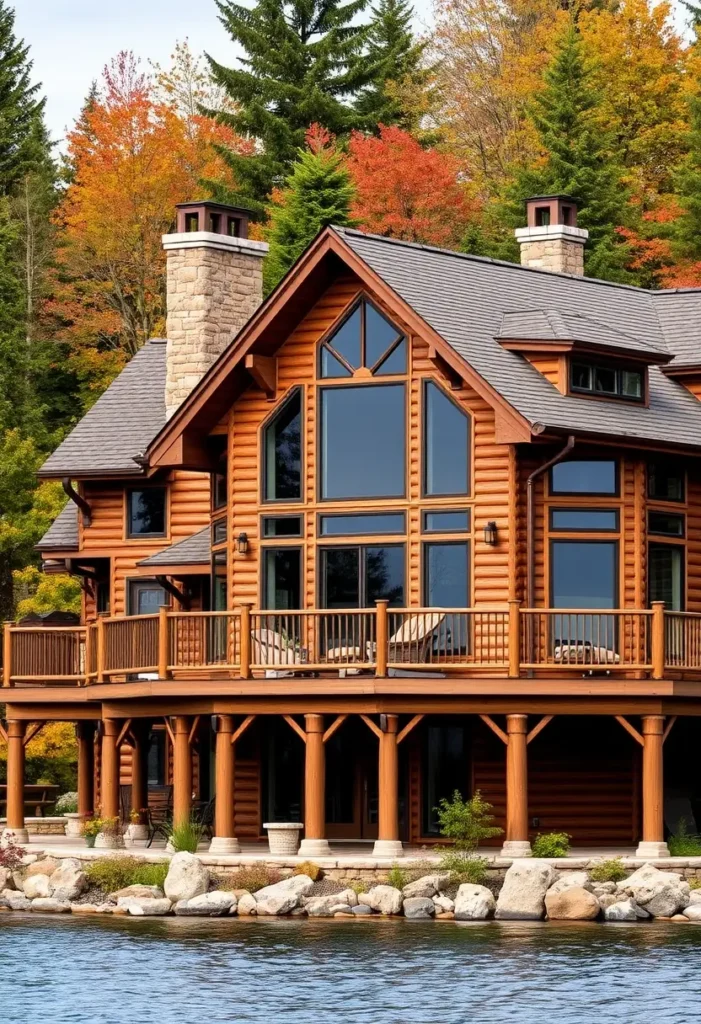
{"points": [[387, 848], [222, 845], [314, 848], [14, 835], [516, 848], [653, 850]]}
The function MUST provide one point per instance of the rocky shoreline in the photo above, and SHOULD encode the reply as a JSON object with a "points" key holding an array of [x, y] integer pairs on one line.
{"points": [[532, 890]]}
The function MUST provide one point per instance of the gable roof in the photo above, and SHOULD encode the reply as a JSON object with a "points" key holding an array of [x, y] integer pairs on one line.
{"points": [[193, 550], [558, 326], [63, 533], [120, 425]]}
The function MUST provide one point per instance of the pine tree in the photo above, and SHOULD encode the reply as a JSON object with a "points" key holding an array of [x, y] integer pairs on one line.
{"points": [[303, 63], [686, 230], [21, 106], [398, 59], [318, 192]]}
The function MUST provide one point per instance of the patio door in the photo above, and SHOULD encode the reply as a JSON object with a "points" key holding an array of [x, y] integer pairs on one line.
{"points": [[356, 576], [351, 784]]}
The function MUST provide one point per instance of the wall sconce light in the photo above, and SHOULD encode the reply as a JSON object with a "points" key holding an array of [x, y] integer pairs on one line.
{"points": [[490, 533], [242, 543]]}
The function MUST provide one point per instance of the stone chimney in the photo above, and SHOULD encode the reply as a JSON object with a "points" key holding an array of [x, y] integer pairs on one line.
{"points": [[214, 285], [552, 240]]}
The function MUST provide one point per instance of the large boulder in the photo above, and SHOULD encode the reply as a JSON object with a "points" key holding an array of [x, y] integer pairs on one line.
{"points": [[45, 866], [473, 903], [570, 880], [187, 877], [427, 885], [418, 908], [573, 903], [51, 906], [144, 907], [624, 910], [68, 881], [37, 887], [284, 896], [246, 905], [15, 900], [443, 904], [211, 904], [522, 897], [385, 899], [692, 912], [139, 892], [325, 906], [660, 893], [6, 879]]}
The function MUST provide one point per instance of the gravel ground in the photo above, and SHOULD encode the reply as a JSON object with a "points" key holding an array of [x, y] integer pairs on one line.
{"points": [[93, 895]]}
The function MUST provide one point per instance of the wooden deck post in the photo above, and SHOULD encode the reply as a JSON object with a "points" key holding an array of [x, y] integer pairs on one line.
{"points": [[516, 843], [314, 843], [100, 652], [653, 844], [245, 641], [224, 839], [514, 639], [657, 640], [388, 843], [139, 768], [15, 827], [163, 645], [182, 771], [109, 778], [7, 654], [85, 735], [381, 636]]}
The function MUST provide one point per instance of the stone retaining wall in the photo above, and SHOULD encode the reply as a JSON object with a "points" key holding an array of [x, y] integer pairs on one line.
{"points": [[42, 826]]}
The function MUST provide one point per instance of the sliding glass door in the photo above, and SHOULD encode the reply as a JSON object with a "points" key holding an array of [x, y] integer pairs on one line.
{"points": [[584, 574], [359, 575]]}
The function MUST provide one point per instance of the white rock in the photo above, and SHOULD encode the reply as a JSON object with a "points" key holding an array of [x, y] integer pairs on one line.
{"points": [[147, 907], [473, 902], [284, 896], [6, 879], [572, 880], [695, 896], [385, 899], [91, 908], [573, 903], [443, 904], [693, 912], [324, 906], [68, 881], [427, 885], [624, 910], [43, 866], [187, 877], [602, 888], [348, 896], [660, 893], [418, 908], [29, 858], [139, 892], [16, 900], [211, 904], [37, 887], [51, 906], [522, 897], [246, 905]]}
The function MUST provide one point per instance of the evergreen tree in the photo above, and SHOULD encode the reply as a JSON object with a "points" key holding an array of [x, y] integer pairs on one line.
{"points": [[398, 60], [686, 230], [318, 192], [21, 106], [303, 62]]}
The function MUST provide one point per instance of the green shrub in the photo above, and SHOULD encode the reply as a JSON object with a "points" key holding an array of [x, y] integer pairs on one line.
{"points": [[466, 822], [251, 879], [551, 844], [309, 868], [464, 867], [683, 843], [608, 871], [695, 883], [397, 877], [358, 886], [113, 873], [186, 837]]}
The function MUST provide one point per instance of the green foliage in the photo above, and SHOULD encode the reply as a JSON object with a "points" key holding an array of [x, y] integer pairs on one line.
{"points": [[397, 877], [91, 828], [611, 870], [684, 844], [186, 836], [686, 229], [318, 192], [695, 883], [464, 867], [20, 104], [310, 869], [251, 878], [113, 873], [466, 822], [551, 844], [45, 593], [67, 803], [358, 886]]}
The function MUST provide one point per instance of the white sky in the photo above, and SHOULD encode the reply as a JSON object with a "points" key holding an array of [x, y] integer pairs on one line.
{"points": [[72, 40]]}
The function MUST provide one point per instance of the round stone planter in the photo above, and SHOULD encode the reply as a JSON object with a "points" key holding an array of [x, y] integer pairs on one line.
{"points": [[283, 837], [108, 841], [136, 835], [73, 826]]}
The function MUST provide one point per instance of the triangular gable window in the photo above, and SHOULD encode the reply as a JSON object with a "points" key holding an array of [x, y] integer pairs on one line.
{"points": [[365, 344]]}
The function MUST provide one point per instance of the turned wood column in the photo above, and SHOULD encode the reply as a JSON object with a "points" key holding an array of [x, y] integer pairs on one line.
{"points": [[109, 779], [182, 770], [314, 843], [388, 843], [653, 844], [139, 766], [15, 781], [224, 839], [516, 843], [85, 736]]}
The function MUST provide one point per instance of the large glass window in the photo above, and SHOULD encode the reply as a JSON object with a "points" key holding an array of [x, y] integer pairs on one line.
{"points": [[446, 444], [282, 575], [363, 439], [666, 569], [366, 341], [146, 512], [357, 577], [584, 574], [607, 381], [584, 476], [219, 581], [665, 481], [283, 452], [446, 575]]}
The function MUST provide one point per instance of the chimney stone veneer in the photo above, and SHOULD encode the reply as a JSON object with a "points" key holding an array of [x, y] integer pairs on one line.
{"points": [[557, 247], [214, 286]]}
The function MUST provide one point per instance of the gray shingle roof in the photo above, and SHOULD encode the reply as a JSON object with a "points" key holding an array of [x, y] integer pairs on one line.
{"points": [[63, 532], [555, 325], [121, 424], [463, 298], [193, 550], [679, 313]]}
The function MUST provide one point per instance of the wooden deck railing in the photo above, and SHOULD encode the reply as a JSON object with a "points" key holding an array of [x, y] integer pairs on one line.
{"points": [[244, 643]]}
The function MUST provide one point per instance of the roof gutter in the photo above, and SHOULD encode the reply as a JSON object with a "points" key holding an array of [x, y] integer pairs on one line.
{"points": [[78, 499]]}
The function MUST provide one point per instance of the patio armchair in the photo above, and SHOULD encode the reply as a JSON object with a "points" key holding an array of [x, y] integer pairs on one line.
{"points": [[411, 644], [272, 648], [160, 812]]}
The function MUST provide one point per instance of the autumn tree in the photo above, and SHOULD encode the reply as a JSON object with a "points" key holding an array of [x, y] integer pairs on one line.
{"points": [[406, 191], [317, 193]]}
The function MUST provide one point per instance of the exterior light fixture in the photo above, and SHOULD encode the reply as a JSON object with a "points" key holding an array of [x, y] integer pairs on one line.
{"points": [[242, 543], [490, 533]]}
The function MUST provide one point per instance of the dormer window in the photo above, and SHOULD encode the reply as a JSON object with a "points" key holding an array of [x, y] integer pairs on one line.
{"points": [[607, 381]]}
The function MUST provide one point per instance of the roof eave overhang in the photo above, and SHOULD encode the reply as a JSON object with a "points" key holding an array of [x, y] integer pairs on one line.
{"points": [[176, 569], [547, 432], [683, 371], [562, 346], [92, 474]]}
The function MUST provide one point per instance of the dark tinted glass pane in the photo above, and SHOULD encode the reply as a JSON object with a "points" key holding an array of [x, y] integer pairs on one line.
{"points": [[631, 384], [446, 522], [379, 335], [341, 751], [346, 340], [446, 444], [282, 526], [332, 367], [665, 482], [579, 476], [666, 576], [447, 581], [219, 489], [605, 380], [282, 577], [219, 594], [581, 377], [385, 522], [663, 522], [219, 531], [340, 569], [395, 361], [384, 575], [583, 519], [584, 574], [444, 770], [283, 445], [146, 599], [362, 441], [147, 511]]}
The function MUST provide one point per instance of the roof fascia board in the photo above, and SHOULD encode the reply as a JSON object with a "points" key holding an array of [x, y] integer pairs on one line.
{"points": [[609, 351], [610, 439], [176, 569]]}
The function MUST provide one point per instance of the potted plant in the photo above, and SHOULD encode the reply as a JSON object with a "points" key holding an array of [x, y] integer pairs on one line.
{"points": [[110, 835], [90, 829], [67, 807], [137, 830]]}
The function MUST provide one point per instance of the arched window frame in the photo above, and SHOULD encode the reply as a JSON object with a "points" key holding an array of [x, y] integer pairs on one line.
{"points": [[262, 447]]}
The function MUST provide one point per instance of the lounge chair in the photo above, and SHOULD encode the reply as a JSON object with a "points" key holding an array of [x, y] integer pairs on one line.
{"points": [[412, 643], [583, 652], [272, 648]]}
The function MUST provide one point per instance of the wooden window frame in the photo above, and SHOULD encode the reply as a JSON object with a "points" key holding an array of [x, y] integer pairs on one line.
{"points": [[443, 540], [140, 537], [360, 543], [265, 549], [574, 530], [672, 514], [573, 538], [675, 503], [607, 364], [132, 582], [272, 538], [358, 513], [616, 493], [441, 510]]}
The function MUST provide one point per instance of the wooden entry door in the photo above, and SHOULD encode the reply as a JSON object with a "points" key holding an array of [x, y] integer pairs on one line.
{"points": [[351, 785]]}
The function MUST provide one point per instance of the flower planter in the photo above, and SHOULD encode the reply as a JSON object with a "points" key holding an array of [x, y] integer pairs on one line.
{"points": [[283, 837], [73, 826], [136, 834], [89, 841], [108, 841]]}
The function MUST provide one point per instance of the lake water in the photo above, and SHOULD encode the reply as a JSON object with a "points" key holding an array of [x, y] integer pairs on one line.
{"points": [[175, 971]]}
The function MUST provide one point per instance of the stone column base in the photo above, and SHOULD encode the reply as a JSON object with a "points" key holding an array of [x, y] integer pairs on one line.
{"points": [[314, 848], [387, 848], [653, 850], [222, 845], [516, 848], [15, 835]]}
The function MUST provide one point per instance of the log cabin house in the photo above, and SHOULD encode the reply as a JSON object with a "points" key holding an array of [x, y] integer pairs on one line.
{"points": [[419, 521]]}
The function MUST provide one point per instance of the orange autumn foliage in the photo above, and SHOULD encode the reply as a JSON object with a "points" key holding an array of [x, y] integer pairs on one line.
{"points": [[407, 192]]}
